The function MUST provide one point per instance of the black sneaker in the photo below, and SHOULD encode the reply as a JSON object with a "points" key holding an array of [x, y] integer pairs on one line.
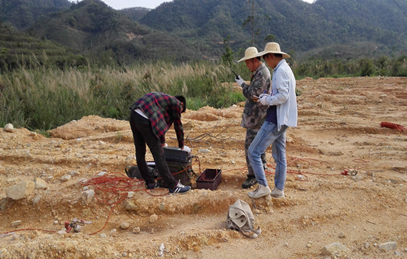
{"points": [[154, 185], [179, 188], [250, 181]]}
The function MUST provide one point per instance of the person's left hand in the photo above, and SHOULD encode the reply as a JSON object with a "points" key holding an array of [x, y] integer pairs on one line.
{"points": [[264, 100]]}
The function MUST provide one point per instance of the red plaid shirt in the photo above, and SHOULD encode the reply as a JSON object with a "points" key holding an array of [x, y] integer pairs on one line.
{"points": [[163, 110]]}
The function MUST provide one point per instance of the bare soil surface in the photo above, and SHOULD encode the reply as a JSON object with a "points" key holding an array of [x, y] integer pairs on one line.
{"points": [[338, 132]]}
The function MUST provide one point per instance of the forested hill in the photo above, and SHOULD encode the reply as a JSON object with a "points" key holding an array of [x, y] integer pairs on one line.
{"points": [[297, 25], [23, 13], [183, 30], [91, 27]]}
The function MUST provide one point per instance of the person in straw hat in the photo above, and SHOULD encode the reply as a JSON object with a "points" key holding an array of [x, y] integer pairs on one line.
{"points": [[254, 113], [281, 113]]}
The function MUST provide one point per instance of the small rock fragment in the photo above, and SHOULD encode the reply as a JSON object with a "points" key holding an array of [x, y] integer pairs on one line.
{"points": [[334, 249], [36, 199], [74, 173], [124, 225], [9, 127], [66, 178], [162, 206], [153, 218], [16, 223], [113, 233], [130, 206], [389, 246], [40, 184], [88, 195]]}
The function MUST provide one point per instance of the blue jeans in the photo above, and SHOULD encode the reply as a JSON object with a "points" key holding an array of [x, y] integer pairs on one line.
{"points": [[268, 134]]}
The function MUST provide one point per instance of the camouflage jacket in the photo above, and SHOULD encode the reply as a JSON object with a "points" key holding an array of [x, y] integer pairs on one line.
{"points": [[254, 113]]}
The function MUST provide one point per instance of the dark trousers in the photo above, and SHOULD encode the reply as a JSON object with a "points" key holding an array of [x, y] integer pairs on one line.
{"points": [[142, 135]]}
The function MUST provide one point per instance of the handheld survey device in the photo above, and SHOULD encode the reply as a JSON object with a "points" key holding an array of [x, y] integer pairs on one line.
{"points": [[237, 76]]}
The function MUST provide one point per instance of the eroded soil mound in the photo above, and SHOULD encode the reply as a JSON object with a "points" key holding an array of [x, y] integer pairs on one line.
{"points": [[338, 135]]}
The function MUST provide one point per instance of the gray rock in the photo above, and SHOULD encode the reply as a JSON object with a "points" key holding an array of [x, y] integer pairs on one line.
{"points": [[40, 184], [389, 246], [21, 190], [82, 181], [130, 206], [74, 173], [113, 233], [3, 203], [162, 206], [101, 173], [136, 230], [153, 218], [36, 199], [88, 195], [334, 249], [16, 223], [66, 178], [124, 225]]}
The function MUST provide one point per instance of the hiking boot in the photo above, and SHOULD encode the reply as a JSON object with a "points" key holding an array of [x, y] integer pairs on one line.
{"points": [[261, 191], [154, 185], [250, 181], [276, 193], [179, 188]]}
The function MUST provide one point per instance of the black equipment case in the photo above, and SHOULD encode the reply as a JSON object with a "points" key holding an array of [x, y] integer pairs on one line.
{"points": [[178, 161]]}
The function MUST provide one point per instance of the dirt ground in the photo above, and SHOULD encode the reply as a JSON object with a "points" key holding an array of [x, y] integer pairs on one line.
{"points": [[338, 132]]}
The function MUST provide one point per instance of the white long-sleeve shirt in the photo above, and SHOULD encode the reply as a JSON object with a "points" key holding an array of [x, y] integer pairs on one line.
{"points": [[283, 95]]}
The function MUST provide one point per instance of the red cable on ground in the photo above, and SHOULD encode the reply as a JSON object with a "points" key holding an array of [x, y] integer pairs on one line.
{"points": [[107, 220], [117, 186], [394, 126]]}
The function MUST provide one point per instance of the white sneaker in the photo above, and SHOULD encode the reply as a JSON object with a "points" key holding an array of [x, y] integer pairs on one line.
{"points": [[261, 191], [276, 193]]}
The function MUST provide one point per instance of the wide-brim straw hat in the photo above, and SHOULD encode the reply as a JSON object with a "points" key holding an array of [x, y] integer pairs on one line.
{"points": [[274, 48], [250, 53]]}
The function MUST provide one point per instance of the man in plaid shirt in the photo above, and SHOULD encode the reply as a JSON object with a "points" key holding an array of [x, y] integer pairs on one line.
{"points": [[151, 116]]}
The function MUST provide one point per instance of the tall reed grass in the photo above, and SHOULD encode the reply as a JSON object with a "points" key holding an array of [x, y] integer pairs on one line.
{"points": [[47, 98]]}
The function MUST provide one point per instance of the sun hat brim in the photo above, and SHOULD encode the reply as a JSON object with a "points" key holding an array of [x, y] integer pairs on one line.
{"points": [[274, 48], [250, 53], [285, 55]]}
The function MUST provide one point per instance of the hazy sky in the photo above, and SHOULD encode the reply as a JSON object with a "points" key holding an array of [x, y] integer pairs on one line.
{"points": [[120, 4]]}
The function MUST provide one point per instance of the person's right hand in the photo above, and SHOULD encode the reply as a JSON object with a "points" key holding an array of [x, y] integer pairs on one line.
{"points": [[239, 80], [265, 99], [186, 148]]}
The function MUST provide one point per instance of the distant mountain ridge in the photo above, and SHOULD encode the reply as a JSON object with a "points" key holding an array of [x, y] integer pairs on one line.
{"points": [[184, 30], [23, 13], [296, 25]]}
